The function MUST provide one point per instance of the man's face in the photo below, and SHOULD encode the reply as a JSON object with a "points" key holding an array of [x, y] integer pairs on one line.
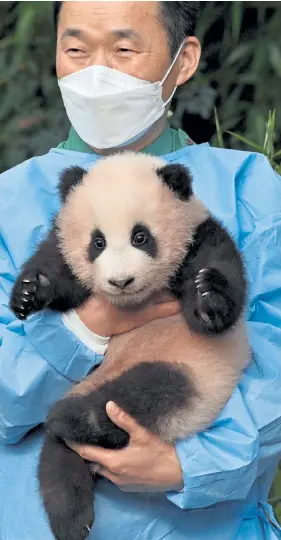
{"points": [[126, 36]]}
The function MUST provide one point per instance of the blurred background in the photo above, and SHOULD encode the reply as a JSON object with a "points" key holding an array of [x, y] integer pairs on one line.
{"points": [[240, 75], [237, 88]]}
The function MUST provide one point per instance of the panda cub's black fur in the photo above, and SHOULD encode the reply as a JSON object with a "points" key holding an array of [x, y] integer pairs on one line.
{"points": [[210, 284]]}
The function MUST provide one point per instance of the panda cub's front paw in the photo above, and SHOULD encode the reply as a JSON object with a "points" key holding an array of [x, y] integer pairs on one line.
{"points": [[31, 292], [214, 304]]}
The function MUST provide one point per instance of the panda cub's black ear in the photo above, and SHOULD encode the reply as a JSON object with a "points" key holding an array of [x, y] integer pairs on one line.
{"points": [[70, 177], [178, 178]]}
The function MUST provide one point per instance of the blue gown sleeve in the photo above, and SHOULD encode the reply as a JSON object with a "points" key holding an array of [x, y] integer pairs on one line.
{"points": [[39, 360], [223, 462]]}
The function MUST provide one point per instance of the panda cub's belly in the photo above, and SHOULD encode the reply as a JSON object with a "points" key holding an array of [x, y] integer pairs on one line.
{"points": [[212, 364]]}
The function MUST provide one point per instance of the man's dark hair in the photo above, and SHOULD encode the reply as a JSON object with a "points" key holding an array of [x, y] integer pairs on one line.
{"points": [[57, 8], [178, 18]]}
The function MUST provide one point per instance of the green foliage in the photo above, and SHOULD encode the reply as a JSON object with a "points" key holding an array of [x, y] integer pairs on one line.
{"points": [[241, 44], [31, 113], [220, 141], [275, 494], [268, 147], [240, 71]]}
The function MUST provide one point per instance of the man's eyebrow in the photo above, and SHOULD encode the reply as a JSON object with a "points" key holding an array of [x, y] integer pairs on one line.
{"points": [[125, 33], [72, 32]]}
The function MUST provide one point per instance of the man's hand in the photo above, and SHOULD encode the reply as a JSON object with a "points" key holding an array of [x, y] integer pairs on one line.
{"points": [[105, 319], [146, 464]]}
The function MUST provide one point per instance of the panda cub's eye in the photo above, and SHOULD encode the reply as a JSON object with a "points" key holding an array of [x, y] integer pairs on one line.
{"points": [[140, 238], [97, 245], [100, 243], [143, 239]]}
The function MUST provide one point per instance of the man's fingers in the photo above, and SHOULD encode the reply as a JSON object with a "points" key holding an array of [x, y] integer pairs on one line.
{"points": [[166, 309], [123, 420], [163, 296], [94, 453], [115, 478]]}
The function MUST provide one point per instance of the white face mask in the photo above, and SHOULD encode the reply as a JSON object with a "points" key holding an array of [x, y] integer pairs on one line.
{"points": [[108, 108]]}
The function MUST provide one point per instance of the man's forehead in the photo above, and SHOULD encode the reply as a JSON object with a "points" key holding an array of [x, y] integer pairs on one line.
{"points": [[121, 19]]}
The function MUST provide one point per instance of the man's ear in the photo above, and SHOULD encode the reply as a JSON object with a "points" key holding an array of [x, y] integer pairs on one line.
{"points": [[70, 177], [188, 60], [178, 178]]}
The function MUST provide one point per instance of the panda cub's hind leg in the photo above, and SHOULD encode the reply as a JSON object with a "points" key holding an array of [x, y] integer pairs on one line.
{"points": [[150, 392], [83, 419], [66, 488], [156, 394], [66, 483]]}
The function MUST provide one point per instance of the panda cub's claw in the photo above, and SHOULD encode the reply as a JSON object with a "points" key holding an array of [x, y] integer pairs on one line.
{"points": [[31, 293], [75, 525], [214, 305], [74, 529]]}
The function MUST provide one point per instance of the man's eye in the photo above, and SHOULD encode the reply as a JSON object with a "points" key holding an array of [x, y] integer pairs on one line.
{"points": [[124, 50], [75, 51]]}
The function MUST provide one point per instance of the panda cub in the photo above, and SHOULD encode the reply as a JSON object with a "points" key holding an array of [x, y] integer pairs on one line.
{"points": [[129, 228]]}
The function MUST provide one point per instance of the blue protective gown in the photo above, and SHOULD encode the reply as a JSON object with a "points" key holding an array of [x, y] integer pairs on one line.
{"points": [[228, 469]]}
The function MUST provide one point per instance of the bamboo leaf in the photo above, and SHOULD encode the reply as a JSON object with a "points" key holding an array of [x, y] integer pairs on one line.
{"points": [[268, 145], [240, 52], [261, 11], [276, 167], [236, 19], [25, 23], [275, 58], [246, 141], [219, 130], [277, 154]]}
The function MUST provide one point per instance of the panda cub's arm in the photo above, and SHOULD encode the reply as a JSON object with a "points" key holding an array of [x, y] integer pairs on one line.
{"points": [[45, 279], [211, 282]]}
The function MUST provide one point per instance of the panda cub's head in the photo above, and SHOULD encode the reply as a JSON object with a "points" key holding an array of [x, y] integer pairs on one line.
{"points": [[125, 225]]}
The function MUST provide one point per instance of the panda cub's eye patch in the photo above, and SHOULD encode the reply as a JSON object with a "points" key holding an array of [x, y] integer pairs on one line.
{"points": [[97, 244], [143, 239]]}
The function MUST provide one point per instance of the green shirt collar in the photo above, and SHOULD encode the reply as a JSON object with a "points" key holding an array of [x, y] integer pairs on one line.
{"points": [[169, 141]]}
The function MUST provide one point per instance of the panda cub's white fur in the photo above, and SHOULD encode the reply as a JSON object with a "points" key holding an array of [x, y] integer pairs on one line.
{"points": [[134, 193]]}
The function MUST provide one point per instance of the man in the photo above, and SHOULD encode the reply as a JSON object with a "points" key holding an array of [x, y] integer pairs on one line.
{"points": [[118, 64]]}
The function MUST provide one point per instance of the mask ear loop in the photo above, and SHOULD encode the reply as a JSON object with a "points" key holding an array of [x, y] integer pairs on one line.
{"points": [[169, 71], [163, 80]]}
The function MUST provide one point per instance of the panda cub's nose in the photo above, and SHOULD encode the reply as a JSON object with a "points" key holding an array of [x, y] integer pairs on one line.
{"points": [[121, 283]]}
